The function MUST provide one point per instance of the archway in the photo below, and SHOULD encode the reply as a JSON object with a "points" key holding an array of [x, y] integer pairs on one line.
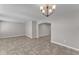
{"points": [[44, 30]]}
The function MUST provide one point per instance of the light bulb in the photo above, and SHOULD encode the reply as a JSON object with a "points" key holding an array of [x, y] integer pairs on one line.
{"points": [[43, 11], [41, 7], [50, 10], [54, 7]]}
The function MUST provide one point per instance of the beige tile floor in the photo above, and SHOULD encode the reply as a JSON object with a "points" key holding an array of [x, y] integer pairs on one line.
{"points": [[26, 46]]}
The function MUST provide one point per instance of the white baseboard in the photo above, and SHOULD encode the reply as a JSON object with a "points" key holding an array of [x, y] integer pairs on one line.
{"points": [[29, 36], [12, 36], [69, 47], [43, 36], [16, 36]]}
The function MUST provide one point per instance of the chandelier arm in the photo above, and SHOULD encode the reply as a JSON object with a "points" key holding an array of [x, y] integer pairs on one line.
{"points": [[47, 10]]}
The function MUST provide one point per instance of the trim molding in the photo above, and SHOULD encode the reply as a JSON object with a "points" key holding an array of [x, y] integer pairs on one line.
{"points": [[12, 36], [69, 47], [43, 36], [28, 37]]}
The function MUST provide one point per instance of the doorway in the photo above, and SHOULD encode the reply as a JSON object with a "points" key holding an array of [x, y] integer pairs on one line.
{"points": [[44, 30]]}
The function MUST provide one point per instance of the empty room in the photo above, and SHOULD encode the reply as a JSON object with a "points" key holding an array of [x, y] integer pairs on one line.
{"points": [[39, 29]]}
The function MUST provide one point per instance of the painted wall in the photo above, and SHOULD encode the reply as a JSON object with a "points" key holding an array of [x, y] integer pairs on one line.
{"points": [[34, 29], [10, 29], [65, 31], [28, 29], [0, 28]]}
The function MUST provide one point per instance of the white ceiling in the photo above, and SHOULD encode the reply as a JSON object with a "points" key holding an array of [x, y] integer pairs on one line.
{"points": [[24, 12]]}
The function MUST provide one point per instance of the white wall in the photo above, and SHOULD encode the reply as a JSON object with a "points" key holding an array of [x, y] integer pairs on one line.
{"points": [[0, 28], [65, 31], [44, 29], [28, 29], [34, 29], [10, 29]]}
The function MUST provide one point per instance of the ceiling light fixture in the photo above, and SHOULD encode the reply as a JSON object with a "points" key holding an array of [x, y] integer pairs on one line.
{"points": [[47, 9]]}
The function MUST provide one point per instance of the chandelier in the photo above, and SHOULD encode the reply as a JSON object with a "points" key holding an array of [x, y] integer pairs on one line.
{"points": [[47, 9]]}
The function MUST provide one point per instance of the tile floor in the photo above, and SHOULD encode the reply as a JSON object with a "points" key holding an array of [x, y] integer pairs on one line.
{"points": [[26, 46]]}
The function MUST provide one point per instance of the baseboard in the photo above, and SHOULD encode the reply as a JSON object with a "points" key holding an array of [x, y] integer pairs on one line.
{"points": [[69, 47], [28, 37], [43, 36], [12, 36], [17, 36]]}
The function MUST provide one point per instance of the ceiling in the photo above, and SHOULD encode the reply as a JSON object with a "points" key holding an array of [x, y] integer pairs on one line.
{"points": [[25, 12]]}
